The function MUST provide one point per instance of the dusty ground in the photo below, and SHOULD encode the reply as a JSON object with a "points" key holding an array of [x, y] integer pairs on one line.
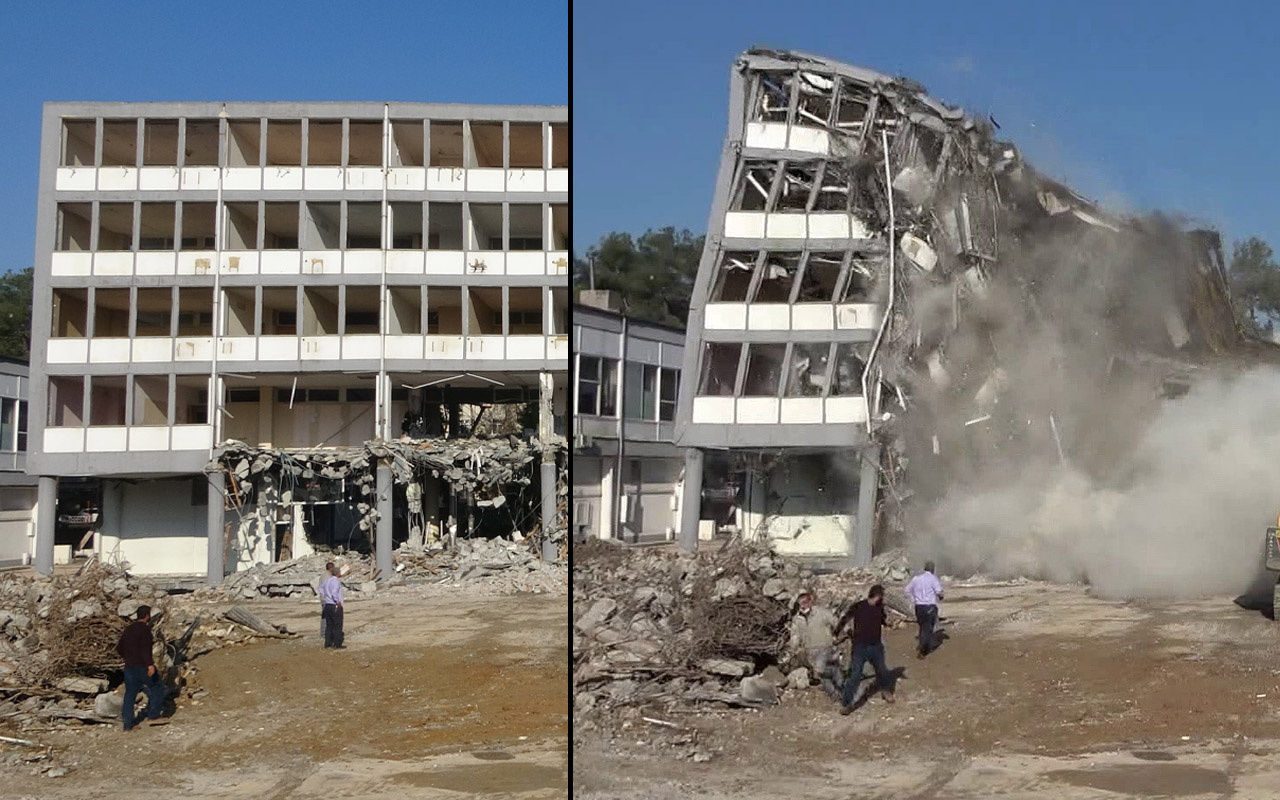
{"points": [[1040, 691], [436, 695]]}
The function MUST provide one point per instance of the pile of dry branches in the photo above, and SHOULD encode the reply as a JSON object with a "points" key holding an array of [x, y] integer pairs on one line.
{"points": [[76, 626], [729, 616]]}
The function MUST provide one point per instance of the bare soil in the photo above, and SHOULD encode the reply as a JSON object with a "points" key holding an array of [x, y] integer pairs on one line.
{"points": [[1038, 691], [434, 696]]}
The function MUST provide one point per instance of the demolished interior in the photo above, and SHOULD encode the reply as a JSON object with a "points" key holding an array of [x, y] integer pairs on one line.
{"points": [[289, 503], [872, 246]]}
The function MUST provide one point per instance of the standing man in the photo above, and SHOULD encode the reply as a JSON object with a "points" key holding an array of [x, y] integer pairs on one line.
{"points": [[813, 635], [135, 647], [869, 619], [330, 592], [925, 590]]}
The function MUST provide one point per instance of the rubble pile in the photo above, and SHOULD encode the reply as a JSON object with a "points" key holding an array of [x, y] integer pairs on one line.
{"points": [[300, 577], [655, 629], [499, 566], [661, 628], [260, 481], [58, 635]]}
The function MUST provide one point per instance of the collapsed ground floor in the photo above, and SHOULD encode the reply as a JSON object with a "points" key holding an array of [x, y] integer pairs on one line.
{"points": [[819, 503], [253, 506]]}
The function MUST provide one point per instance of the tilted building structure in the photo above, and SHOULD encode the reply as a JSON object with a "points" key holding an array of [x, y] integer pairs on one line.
{"points": [[888, 292]]}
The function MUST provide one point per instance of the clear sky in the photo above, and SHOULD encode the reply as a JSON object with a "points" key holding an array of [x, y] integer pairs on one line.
{"points": [[410, 50], [1141, 104]]}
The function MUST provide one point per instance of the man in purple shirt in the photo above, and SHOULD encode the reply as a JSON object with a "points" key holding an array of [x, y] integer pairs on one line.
{"points": [[924, 591], [330, 592]]}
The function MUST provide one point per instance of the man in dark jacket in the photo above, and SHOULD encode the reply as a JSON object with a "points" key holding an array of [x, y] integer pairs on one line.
{"points": [[868, 619], [140, 673]]}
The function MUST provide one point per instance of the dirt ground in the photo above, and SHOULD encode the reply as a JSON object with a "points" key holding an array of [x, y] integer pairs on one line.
{"points": [[435, 696], [1039, 691]]}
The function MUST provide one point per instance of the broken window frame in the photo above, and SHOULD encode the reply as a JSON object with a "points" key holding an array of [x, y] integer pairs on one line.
{"points": [[852, 92], [759, 93], [860, 366], [820, 121], [722, 273], [724, 379], [792, 378], [804, 272], [759, 277], [745, 180], [846, 281], [753, 349], [799, 167]]}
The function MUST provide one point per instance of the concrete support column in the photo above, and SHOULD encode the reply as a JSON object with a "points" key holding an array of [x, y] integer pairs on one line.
{"points": [[868, 492], [215, 528], [46, 519], [431, 503], [382, 541], [691, 502], [549, 549], [546, 429]]}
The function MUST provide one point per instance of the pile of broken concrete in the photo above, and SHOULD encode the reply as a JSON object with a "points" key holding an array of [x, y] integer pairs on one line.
{"points": [[652, 628], [58, 663]]}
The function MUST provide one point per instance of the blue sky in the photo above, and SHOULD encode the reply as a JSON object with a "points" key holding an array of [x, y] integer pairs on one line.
{"points": [[1138, 104], [415, 50]]}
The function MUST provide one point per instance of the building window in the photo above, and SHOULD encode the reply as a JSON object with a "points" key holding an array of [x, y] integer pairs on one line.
{"points": [[22, 426], [597, 386], [633, 391], [518, 318], [8, 424], [588, 386], [669, 385], [242, 395], [361, 395], [306, 395]]}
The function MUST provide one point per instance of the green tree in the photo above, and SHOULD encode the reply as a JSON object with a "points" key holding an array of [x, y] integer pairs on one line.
{"points": [[1255, 284], [15, 314], [653, 273]]}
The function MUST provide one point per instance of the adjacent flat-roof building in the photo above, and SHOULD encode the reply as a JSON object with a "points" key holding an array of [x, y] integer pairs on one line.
{"points": [[291, 275], [17, 489], [627, 473]]}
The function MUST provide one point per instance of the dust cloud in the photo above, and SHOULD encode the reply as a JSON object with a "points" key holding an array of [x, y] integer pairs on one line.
{"points": [[1185, 517]]}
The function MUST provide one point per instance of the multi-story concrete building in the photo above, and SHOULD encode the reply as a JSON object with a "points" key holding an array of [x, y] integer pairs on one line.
{"points": [[292, 275], [627, 472], [788, 299]]}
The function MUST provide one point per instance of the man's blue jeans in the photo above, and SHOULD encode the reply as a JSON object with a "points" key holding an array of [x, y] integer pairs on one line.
{"points": [[136, 680], [927, 619], [862, 653]]}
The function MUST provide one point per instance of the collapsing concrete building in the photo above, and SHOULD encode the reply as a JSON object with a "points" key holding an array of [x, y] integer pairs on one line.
{"points": [[891, 303], [260, 328]]}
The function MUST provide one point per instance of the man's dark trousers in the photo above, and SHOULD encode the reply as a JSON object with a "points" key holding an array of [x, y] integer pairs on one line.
{"points": [[862, 653], [136, 679], [331, 615], [926, 618]]}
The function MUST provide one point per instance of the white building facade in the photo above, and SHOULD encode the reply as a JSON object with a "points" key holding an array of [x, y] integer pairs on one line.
{"points": [[284, 274]]}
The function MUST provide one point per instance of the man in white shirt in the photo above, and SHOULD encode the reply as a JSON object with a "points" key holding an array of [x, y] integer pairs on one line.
{"points": [[924, 591]]}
